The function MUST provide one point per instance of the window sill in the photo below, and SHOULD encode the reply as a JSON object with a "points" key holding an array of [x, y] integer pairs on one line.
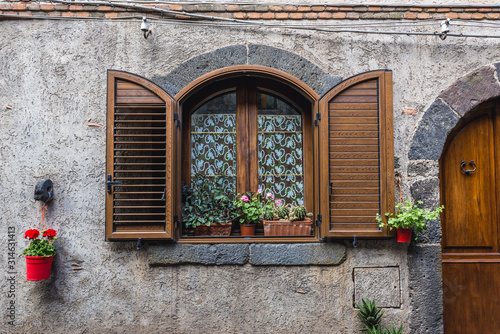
{"points": [[245, 240], [262, 254]]}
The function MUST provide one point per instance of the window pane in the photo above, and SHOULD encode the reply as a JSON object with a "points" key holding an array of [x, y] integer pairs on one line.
{"points": [[213, 139], [280, 149]]}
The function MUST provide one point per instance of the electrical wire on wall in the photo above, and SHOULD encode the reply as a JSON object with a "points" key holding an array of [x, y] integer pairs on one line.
{"points": [[377, 28]]}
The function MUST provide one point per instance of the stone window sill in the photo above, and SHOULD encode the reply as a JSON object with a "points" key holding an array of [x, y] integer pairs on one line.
{"points": [[298, 254]]}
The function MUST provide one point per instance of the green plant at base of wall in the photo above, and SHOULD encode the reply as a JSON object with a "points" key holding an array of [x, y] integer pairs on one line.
{"points": [[369, 314]]}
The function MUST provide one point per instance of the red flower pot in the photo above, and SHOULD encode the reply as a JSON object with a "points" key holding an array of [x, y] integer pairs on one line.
{"points": [[247, 230], [404, 234], [38, 267]]}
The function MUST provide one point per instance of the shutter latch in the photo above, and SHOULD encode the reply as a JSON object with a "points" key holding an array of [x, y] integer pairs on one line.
{"points": [[319, 219], [176, 221], [355, 242], [176, 119], [110, 183], [318, 118]]}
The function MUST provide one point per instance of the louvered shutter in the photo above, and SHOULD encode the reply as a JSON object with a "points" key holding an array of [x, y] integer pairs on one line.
{"points": [[356, 156], [140, 166]]}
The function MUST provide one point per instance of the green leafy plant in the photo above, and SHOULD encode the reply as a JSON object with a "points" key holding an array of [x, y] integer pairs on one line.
{"points": [[393, 330], [370, 315], [252, 206], [42, 246], [411, 216], [378, 330], [207, 200]]}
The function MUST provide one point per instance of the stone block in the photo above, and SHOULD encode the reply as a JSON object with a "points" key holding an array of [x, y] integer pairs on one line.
{"points": [[379, 283], [292, 64], [423, 168], [206, 254], [200, 65], [473, 89], [425, 288], [297, 254], [432, 132]]}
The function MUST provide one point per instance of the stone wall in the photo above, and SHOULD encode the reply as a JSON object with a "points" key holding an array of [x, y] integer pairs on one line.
{"points": [[53, 80]]}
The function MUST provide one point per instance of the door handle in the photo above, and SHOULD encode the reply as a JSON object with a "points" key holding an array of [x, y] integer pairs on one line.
{"points": [[468, 171]]}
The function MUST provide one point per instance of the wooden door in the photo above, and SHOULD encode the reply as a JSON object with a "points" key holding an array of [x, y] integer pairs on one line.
{"points": [[470, 174]]}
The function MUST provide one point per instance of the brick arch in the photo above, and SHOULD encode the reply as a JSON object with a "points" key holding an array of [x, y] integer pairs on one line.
{"points": [[449, 107], [253, 54]]}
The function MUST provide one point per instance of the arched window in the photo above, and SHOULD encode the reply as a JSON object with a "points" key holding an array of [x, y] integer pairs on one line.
{"points": [[250, 133], [245, 128]]}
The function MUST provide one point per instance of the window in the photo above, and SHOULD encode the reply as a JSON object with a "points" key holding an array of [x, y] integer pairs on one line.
{"points": [[252, 133], [257, 128]]}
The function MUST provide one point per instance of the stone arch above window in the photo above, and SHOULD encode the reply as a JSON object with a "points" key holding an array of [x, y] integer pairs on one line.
{"points": [[451, 105], [252, 54]]}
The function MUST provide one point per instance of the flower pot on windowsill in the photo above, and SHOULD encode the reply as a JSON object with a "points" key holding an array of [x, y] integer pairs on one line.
{"points": [[38, 267], [404, 234], [247, 230], [215, 229], [287, 228]]}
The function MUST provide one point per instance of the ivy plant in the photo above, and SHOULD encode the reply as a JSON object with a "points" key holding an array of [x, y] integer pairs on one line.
{"points": [[411, 216]]}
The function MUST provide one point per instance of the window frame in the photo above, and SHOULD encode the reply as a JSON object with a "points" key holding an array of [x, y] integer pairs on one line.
{"points": [[246, 87]]}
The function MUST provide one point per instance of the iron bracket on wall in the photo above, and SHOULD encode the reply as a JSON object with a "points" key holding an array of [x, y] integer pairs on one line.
{"points": [[139, 243], [110, 183]]}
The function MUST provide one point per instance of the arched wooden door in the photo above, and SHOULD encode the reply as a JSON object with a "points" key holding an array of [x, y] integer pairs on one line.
{"points": [[470, 186]]}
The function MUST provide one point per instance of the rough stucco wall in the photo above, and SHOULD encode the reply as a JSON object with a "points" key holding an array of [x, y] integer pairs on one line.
{"points": [[53, 74]]}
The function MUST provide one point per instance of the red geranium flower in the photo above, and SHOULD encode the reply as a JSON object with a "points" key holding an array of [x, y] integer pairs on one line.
{"points": [[31, 234], [50, 233]]}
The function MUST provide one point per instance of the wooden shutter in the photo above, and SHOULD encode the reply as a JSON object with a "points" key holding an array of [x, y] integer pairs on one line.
{"points": [[140, 159], [356, 157]]}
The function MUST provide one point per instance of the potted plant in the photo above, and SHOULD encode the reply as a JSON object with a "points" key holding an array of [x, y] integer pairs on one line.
{"points": [[409, 217], [284, 220], [252, 208], [39, 254], [207, 206]]}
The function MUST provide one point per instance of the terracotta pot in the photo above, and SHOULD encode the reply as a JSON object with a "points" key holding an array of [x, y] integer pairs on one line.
{"points": [[214, 229], [247, 230], [287, 228], [38, 267], [404, 234]]}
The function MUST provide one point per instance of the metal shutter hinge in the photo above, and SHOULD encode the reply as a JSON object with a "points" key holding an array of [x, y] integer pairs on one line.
{"points": [[319, 219], [176, 119], [318, 118], [110, 183]]}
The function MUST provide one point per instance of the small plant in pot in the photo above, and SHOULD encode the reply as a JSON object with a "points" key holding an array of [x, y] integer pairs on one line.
{"points": [[409, 217], [208, 206], [40, 253], [287, 221], [252, 207]]}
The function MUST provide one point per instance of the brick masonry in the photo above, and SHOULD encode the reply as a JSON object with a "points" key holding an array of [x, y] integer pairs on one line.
{"points": [[258, 12]]}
